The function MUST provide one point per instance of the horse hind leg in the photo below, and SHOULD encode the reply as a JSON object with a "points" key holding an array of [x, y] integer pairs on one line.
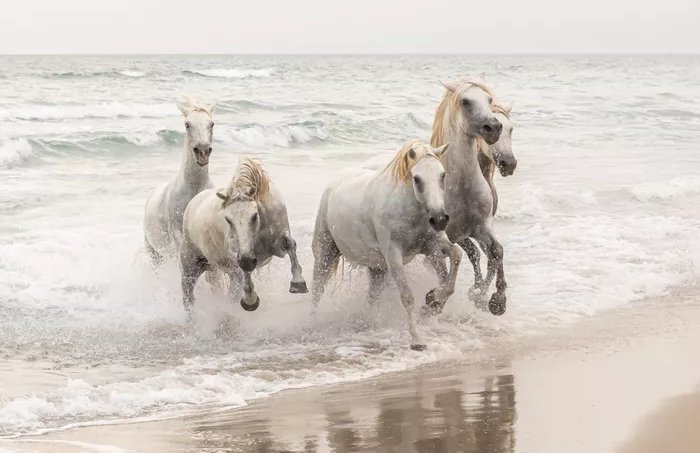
{"points": [[376, 284], [152, 256], [326, 260]]}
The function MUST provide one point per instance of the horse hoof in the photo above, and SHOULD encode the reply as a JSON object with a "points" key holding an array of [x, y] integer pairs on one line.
{"points": [[497, 304], [419, 347], [298, 287], [433, 302], [251, 307]]}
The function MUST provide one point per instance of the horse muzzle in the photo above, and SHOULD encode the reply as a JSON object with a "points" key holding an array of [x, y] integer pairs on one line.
{"points": [[491, 131], [507, 168], [247, 263], [439, 221], [201, 154]]}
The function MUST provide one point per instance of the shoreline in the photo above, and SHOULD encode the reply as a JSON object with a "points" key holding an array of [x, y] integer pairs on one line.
{"points": [[585, 387]]}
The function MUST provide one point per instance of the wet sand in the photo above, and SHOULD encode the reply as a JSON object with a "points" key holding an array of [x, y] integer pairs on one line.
{"points": [[624, 381]]}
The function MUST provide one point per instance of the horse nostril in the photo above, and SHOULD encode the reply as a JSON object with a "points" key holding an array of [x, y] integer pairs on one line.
{"points": [[209, 150], [248, 263], [487, 128], [195, 149]]}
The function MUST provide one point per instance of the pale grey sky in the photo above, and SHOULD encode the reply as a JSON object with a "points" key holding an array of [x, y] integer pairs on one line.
{"points": [[349, 26]]}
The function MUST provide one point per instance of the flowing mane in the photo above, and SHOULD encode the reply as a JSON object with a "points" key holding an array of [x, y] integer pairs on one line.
{"points": [[404, 160], [187, 104], [251, 180], [450, 102]]}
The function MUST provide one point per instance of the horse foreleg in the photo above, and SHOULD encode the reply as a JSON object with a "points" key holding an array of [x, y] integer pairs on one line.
{"points": [[394, 261], [436, 298], [250, 301], [298, 284], [494, 251], [191, 267], [472, 251], [216, 280]]}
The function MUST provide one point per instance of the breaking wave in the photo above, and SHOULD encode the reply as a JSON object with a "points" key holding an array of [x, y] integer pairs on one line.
{"points": [[229, 73]]}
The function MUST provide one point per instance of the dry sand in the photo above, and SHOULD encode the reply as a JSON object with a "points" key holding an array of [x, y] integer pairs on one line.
{"points": [[624, 381]]}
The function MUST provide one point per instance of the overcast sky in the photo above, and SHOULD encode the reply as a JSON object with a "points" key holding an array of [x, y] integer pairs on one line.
{"points": [[349, 26]]}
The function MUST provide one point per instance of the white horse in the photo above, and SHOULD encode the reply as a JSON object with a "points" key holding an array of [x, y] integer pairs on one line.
{"points": [[383, 219], [463, 117], [162, 224], [236, 230], [499, 155]]}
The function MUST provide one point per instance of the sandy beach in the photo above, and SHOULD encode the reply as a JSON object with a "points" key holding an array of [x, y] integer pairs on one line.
{"points": [[624, 381]]}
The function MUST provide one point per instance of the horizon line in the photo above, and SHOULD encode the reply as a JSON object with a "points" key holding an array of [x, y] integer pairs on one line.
{"points": [[635, 53]]}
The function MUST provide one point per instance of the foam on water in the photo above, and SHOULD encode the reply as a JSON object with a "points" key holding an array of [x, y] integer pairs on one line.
{"points": [[233, 73], [102, 110], [14, 152], [593, 218]]}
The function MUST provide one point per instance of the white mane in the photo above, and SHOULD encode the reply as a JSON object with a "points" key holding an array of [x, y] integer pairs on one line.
{"points": [[187, 104]]}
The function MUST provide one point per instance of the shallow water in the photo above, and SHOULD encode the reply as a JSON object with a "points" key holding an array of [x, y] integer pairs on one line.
{"points": [[601, 211]]}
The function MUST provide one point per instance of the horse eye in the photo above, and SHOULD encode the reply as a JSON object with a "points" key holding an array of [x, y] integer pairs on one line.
{"points": [[228, 220], [465, 102], [417, 181], [442, 177], [490, 100], [187, 125], [254, 218]]}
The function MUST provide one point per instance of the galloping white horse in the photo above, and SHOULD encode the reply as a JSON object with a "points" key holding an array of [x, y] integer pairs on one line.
{"points": [[499, 155], [162, 224], [382, 220], [463, 117], [236, 230]]}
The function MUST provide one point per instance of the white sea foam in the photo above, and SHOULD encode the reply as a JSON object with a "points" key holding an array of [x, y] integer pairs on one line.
{"points": [[134, 74], [663, 190], [231, 73], [103, 110], [14, 152]]}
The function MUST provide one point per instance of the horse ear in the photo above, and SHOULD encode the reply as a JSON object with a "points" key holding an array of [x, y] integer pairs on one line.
{"points": [[450, 86], [507, 106], [411, 154], [440, 150], [184, 104], [222, 196], [211, 107]]}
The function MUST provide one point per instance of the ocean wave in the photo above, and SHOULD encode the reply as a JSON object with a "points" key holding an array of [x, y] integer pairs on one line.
{"points": [[14, 151], [133, 74], [664, 190], [105, 110], [79, 75], [283, 135], [229, 73]]}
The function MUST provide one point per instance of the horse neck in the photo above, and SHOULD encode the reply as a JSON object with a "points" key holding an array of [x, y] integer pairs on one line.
{"points": [[191, 173], [462, 157]]}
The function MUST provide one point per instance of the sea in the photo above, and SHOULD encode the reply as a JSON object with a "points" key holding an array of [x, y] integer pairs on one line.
{"points": [[602, 211]]}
